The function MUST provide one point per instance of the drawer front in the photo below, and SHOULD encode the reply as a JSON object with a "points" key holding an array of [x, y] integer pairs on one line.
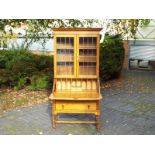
{"points": [[76, 106]]}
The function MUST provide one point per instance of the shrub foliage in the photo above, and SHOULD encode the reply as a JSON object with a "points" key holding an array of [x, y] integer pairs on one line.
{"points": [[20, 69], [111, 57]]}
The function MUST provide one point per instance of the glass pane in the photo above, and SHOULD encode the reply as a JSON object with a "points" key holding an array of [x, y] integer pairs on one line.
{"points": [[65, 55], [87, 68], [65, 68], [87, 55], [87, 42], [65, 42]]}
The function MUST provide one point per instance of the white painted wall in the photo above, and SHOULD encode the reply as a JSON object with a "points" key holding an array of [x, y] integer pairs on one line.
{"points": [[35, 46]]}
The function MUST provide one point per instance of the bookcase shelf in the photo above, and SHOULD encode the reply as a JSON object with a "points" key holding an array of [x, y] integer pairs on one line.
{"points": [[62, 47], [87, 47]]}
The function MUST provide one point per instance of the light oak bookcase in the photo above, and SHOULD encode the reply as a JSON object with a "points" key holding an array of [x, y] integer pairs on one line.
{"points": [[76, 87]]}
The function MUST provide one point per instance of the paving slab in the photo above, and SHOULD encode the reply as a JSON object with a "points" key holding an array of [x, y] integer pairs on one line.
{"points": [[125, 110]]}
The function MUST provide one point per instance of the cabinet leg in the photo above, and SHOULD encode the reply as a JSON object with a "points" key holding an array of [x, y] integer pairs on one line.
{"points": [[98, 122], [53, 115], [54, 121]]}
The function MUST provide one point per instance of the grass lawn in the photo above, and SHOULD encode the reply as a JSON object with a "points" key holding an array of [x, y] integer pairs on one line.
{"points": [[10, 99]]}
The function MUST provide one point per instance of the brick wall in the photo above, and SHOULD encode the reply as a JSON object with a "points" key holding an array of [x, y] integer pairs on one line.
{"points": [[126, 59]]}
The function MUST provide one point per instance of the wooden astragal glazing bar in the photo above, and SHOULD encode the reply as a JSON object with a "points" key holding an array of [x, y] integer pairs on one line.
{"points": [[76, 87]]}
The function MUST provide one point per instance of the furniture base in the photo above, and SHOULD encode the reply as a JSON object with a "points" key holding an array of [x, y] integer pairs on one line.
{"points": [[76, 107]]}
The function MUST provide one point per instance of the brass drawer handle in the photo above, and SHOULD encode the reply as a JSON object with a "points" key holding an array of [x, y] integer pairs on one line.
{"points": [[62, 106], [88, 106]]}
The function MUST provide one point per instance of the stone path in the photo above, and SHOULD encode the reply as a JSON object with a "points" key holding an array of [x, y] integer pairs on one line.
{"points": [[126, 109]]}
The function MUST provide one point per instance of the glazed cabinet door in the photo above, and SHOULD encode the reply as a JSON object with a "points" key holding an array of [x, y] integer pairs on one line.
{"points": [[87, 54], [65, 52]]}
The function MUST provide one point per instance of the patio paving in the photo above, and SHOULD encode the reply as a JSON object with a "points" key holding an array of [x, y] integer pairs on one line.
{"points": [[128, 108]]}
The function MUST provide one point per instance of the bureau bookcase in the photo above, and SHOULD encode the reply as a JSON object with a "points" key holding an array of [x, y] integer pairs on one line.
{"points": [[76, 87]]}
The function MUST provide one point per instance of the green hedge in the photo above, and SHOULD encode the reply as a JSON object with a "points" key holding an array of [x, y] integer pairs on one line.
{"points": [[20, 69], [111, 57]]}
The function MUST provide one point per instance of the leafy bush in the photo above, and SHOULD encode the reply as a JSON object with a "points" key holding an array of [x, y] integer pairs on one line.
{"points": [[21, 83], [39, 82], [19, 67], [7, 78], [111, 57], [8, 57], [43, 62], [23, 68]]}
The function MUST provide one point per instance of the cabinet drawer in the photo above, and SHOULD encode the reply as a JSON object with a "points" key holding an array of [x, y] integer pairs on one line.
{"points": [[75, 106]]}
